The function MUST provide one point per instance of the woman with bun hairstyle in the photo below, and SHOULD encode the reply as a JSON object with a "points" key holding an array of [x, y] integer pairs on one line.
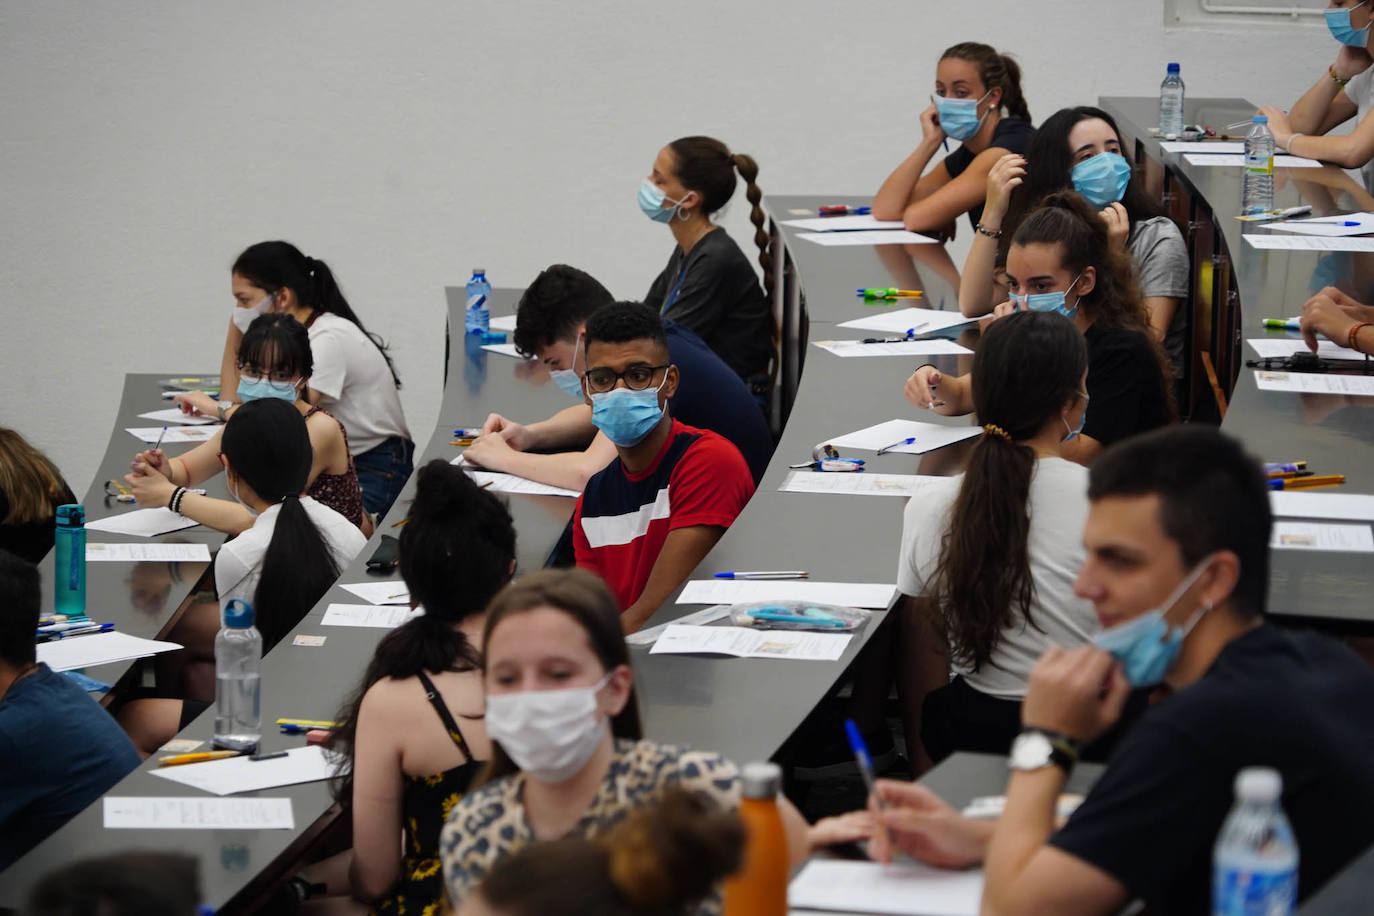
{"points": [[978, 102], [708, 285], [663, 860]]}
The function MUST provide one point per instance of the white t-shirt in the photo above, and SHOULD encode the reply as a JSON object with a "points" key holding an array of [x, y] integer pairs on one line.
{"points": [[238, 565], [1058, 507], [355, 384], [1360, 91]]}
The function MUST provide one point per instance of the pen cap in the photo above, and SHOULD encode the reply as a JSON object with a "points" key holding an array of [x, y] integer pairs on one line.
{"points": [[71, 516], [238, 614], [760, 779]]}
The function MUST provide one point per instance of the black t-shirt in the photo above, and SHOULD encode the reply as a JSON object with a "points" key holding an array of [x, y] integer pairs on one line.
{"points": [[1298, 702], [1125, 385], [718, 298], [1012, 134]]}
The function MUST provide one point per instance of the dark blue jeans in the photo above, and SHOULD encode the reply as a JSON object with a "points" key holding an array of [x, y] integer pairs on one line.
{"points": [[382, 471]]}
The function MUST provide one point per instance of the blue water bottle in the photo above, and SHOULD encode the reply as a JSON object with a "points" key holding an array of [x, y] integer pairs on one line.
{"points": [[69, 585], [477, 319]]}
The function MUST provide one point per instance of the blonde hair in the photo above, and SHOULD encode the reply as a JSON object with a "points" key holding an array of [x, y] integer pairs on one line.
{"points": [[29, 481]]}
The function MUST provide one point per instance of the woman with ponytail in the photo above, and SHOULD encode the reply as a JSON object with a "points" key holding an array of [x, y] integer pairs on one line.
{"points": [[354, 377], [709, 285], [978, 101]]}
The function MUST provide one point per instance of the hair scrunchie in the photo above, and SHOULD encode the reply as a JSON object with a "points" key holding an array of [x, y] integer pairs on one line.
{"points": [[992, 429]]}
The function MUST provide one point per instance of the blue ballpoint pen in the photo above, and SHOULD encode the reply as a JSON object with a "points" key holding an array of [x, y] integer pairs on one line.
{"points": [[909, 440], [865, 762], [766, 574]]}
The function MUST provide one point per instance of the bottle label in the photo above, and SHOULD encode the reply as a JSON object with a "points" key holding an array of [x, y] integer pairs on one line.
{"points": [[477, 300], [1259, 165], [1241, 892]]}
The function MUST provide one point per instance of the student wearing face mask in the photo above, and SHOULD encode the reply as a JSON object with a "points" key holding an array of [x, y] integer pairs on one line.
{"points": [[353, 377], [1061, 260], [978, 101], [274, 362]]}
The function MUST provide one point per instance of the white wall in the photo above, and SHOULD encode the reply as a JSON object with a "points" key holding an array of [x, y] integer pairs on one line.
{"points": [[142, 145]]}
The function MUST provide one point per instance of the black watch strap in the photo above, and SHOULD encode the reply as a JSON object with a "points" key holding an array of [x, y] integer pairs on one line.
{"points": [[1064, 751]]}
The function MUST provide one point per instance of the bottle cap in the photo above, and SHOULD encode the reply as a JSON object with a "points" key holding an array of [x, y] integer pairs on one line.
{"points": [[476, 271], [1260, 784], [760, 779], [1260, 119], [1173, 68], [71, 516], [238, 614]]}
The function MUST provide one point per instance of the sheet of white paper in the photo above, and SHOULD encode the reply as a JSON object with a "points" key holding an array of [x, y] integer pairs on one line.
{"points": [[747, 642], [1235, 162], [1297, 504], [505, 349], [144, 523], [367, 615], [937, 346], [135, 813], [243, 774], [1315, 382], [842, 223], [391, 591], [928, 436], [176, 435], [509, 483], [900, 321], [738, 591], [865, 484], [1312, 536], [1278, 347], [1290, 242], [1206, 147], [867, 887], [98, 649], [173, 416], [503, 323], [698, 618], [132, 553], [872, 237], [1328, 225]]}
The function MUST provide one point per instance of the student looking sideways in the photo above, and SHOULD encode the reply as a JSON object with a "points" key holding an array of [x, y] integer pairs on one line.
{"points": [[978, 102], [550, 321], [353, 377], [31, 489], [1061, 260], [709, 286]]}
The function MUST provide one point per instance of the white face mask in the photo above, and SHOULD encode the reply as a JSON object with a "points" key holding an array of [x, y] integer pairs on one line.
{"points": [[549, 734], [245, 317]]}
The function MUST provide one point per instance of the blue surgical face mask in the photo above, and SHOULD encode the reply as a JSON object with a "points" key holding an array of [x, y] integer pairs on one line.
{"points": [[251, 389], [651, 200], [626, 416], [1147, 646], [959, 117], [1082, 419], [1050, 302], [1102, 179], [1338, 21], [567, 379]]}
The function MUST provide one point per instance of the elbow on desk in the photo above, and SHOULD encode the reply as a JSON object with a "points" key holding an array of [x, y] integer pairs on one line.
{"points": [[886, 211]]}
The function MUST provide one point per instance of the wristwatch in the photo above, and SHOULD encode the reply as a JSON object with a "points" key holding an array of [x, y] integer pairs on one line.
{"points": [[223, 408], [1037, 748]]}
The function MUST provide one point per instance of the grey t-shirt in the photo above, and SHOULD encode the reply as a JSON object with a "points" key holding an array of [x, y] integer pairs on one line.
{"points": [[1161, 261]]}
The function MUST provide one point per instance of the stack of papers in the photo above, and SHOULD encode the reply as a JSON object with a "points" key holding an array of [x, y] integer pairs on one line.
{"points": [[747, 642], [160, 552], [243, 774], [865, 484], [843, 223], [1314, 382], [836, 885], [738, 591], [909, 320], [932, 347], [133, 813], [144, 523], [928, 436], [872, 237], [98, 649], [367, 615]]}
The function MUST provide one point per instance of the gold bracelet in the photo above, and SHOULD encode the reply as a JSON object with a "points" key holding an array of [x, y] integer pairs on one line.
{"points": [[1331, 71]]}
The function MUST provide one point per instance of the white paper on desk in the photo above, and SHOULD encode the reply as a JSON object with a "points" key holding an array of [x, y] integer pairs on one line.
{"points": [[98, 649], [509, 483], [865, 484], [505, 349], [390, 591], [503, 323], [1205, 147], [1235, 162], [144, 523], [173, 416], [1328, 225], [176, 435], [1309, 242], [1314, 382], [367, 615], [843, 223], [748, 642], [928, 436], [243, 774], [900, 321], [1297, 504], [738, 591], [699, 618], [1279, 347], [135, 813], [1328, 537], [872, 237], [159, 552], [868, 887], [937, 346]]}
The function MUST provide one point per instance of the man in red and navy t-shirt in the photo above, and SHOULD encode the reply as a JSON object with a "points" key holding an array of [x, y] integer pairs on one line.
{"points": [[645, 521]]}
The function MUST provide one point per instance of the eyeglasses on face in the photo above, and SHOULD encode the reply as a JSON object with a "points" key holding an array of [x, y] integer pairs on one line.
{"points": [[637, 377]]}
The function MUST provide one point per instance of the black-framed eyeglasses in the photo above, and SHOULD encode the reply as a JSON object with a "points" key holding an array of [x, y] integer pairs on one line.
{"points": [[637, 378]]}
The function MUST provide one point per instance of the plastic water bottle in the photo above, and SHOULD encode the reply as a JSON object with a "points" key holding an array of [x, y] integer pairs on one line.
{"points": [[477, 319], [760, 887], [1255, 861], [238, 679], [69, 539], [1257, 194], [1171, 103]]}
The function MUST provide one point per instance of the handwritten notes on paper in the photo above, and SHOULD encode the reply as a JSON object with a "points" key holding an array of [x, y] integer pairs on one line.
{"points": [[135, 813], [865, 484], [160, 552], [367, 615], [738, 591], [1315, 382], [747, 642]]}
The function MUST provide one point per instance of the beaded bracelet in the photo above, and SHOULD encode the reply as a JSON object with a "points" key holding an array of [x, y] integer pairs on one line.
{"points": [[1339, 81], [175, 502], [1350, 338], [990, 233]]}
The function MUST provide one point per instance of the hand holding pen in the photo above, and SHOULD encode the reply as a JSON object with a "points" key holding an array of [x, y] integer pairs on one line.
{"points": [[922, 389]]}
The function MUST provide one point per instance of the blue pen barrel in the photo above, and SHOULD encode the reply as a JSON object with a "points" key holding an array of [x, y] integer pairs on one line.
{"points": [[69, 584]]}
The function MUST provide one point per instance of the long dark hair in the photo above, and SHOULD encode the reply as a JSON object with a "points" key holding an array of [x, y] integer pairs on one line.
{"points": [[997, 71], [273, 266], [586, 599], [268, 447], [456, 551], [706, 165], [1029, 365]]}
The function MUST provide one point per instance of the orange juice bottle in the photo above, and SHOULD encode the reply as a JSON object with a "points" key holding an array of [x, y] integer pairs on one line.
{"points": [[760, 887]]}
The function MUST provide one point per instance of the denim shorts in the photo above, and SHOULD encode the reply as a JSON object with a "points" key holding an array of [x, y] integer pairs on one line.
{"points": [[382, 471]]}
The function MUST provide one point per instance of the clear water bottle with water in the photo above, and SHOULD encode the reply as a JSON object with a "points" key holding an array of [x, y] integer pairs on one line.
{"points": [[478, 315], [1171, 103], [1257, 194], [1255, 860], [238, 679]]}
